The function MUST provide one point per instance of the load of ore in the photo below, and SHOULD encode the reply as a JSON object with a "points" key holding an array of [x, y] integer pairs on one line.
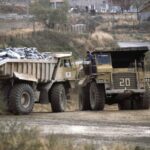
{"points": [[23, 53]]}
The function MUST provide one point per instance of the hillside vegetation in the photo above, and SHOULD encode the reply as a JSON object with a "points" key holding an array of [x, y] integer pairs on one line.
{"points": [[102, 31]]}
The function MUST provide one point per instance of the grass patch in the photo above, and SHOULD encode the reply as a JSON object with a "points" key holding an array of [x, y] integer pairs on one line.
{"points": [[46, 41], [15, 136]]}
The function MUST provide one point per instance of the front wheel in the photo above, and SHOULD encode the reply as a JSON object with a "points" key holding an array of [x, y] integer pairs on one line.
{"points": [[58, 98], [97, 96], [21, 99]]}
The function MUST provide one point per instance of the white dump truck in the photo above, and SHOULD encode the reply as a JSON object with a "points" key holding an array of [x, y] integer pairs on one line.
{"points": [[21, 79]]}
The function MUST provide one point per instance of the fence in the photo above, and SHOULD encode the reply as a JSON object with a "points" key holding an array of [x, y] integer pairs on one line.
{"points": [[77, 28]]}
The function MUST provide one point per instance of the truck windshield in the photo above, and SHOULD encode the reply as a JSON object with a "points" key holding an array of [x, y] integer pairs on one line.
{"points": [[103, 59]]}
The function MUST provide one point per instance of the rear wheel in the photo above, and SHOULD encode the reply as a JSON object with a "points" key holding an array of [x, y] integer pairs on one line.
{"points": [[21, 99], [84, 98], [146, 100], [142, 102], [58, 98], [97, 96], [5, 96], [137, 104]]}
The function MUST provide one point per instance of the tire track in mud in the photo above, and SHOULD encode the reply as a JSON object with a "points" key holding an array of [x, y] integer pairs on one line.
{"points": [[107, 126]]}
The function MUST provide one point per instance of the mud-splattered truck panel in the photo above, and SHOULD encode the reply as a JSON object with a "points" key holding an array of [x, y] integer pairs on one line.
{"points": [[32, 70]]}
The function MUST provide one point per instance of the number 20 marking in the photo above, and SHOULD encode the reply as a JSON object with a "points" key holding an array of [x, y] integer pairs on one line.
{"points": [[125, 82]]}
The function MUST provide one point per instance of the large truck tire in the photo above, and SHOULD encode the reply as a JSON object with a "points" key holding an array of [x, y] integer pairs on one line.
{"points": [[125, 104], [143, 102], [58, 98], [137, 104], [84, 98], [97, 96], [21, 99], [6, 94], [146, 100]]}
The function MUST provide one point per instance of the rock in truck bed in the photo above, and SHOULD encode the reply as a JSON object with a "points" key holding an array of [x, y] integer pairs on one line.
{"points": [[26, 64], [23, 53]]}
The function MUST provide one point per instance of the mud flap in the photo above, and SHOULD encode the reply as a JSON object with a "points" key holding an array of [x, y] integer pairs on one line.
{"points": [[44, 97], [24, 77], [83, 82], [44, 90]]}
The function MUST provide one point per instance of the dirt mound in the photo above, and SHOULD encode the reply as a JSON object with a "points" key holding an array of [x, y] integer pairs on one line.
{"points": [[100, 39]]}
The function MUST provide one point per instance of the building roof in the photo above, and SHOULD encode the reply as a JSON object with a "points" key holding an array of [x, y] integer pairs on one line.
{"points": [[127, 46], [56, 1], [59, 54], [63, 54]]}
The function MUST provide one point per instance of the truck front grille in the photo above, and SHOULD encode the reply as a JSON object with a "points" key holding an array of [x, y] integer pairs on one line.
{"points": [[124, 80]]}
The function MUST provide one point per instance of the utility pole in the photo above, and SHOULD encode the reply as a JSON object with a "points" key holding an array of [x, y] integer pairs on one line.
{"points": [[27, 5]]}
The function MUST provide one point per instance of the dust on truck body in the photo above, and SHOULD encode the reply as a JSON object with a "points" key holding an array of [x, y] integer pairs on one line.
{"points": [[116, 76], [21, 80]]}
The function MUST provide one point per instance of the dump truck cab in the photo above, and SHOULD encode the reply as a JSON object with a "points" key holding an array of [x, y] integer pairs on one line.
{"points": [[121, 70], [65, 68], [118, 77]]}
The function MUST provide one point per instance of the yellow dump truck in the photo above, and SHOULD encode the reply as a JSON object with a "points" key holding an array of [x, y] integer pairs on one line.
{"points": [[115, 76], [21, 79]]}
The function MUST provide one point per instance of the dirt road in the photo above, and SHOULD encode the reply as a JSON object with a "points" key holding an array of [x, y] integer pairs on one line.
{"points": [[109, 126]]}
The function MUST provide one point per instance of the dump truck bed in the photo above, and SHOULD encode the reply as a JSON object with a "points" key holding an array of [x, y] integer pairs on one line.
{"points": [[30, 70]]}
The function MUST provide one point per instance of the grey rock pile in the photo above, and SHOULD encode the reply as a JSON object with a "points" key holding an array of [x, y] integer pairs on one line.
{"points": [[23, 53]]}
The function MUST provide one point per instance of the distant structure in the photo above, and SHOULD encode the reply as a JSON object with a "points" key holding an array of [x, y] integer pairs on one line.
{"points": [[33, 1], [145, 12], [98, 5], [123, 5], [102, 6], [56, 3]]}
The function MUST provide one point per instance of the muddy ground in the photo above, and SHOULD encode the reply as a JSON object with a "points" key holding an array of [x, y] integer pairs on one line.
{"points": [[109, 126]]}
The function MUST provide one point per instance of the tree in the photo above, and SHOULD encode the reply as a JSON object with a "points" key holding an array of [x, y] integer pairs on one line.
{"points": [[124, 4], [47, 15], [137, 4], [3, 2]]}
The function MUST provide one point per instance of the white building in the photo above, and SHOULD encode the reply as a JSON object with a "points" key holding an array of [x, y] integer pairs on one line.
{"points": [[56, 3], [99, 5]]}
